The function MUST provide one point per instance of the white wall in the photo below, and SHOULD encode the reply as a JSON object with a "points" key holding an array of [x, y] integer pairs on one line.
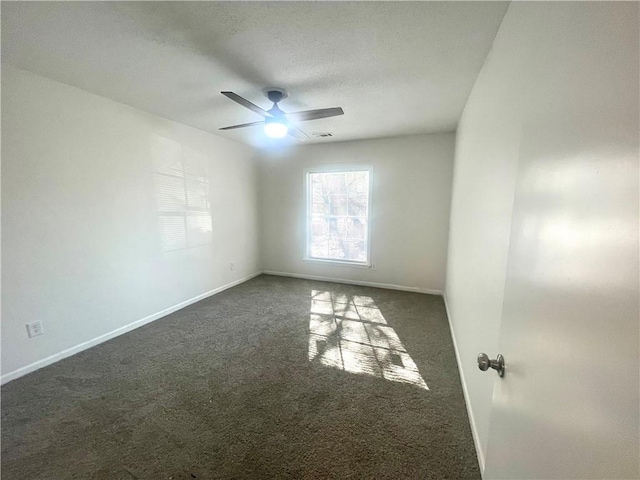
{"points": [[81, 247], [410, 209], [559, 85]]}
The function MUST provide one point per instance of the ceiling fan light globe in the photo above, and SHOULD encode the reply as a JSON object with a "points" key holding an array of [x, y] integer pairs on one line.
{"points": [[275, 129]]}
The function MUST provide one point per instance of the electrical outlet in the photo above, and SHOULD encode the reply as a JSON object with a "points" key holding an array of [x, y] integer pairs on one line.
{"points": [[232, 266], [34, 329]]}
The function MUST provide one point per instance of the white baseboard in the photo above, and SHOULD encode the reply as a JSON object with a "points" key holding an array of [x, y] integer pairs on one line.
{"points": [[467, 400], [148, 319], [355, 282], [114, 333]]}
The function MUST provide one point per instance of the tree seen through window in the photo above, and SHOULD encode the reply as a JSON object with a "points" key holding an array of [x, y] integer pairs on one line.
{"points": [[338, 216]]}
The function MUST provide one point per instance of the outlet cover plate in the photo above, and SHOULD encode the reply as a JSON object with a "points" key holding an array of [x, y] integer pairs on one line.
{"points": [[34, 329]]}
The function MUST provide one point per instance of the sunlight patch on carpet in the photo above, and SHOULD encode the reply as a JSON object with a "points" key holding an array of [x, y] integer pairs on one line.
{"points": [[350, 333]]}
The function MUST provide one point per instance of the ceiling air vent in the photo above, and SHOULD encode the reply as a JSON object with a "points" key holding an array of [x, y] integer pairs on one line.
{"points": [[322, 134]]}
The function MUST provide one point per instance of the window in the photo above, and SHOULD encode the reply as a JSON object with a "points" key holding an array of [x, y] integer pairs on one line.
{"points": [[338, 215]]}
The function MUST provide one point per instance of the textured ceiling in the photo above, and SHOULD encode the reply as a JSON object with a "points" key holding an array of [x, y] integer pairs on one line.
{"points": [[394, 67]]}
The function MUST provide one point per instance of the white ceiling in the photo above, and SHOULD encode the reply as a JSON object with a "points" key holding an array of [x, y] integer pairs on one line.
{"points": [[394, 67]]}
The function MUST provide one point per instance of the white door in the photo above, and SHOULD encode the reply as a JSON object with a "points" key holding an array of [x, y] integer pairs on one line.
{"points": [[568, 405]]}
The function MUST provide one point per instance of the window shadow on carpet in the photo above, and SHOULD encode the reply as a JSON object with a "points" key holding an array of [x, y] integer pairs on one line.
{"points": [[349, 332]]}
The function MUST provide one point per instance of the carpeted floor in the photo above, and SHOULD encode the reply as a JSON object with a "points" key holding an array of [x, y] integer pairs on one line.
{"points": [[274, 378]]}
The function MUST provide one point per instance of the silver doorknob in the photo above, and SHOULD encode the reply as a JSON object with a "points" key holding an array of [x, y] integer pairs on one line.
{"points": [[484, 362]]}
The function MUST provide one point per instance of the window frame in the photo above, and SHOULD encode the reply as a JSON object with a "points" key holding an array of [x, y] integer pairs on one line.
{"points": [[336, 168]]}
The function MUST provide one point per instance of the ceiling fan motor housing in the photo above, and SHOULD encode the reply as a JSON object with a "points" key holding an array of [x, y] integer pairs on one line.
{"points": [[275, 94]]}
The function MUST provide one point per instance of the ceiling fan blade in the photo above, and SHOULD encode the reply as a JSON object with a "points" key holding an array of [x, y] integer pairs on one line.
{"points": [[246, 103], [252, 124], [293, 130], [314, 114], [296, 132]]}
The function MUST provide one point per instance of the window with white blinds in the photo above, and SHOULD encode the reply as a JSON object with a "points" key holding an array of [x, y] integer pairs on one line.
{"points": [[338, 204], [181, 183]]}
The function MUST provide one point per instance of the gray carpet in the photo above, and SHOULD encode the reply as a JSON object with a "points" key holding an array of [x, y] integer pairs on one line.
{"points": [[259, 381]]}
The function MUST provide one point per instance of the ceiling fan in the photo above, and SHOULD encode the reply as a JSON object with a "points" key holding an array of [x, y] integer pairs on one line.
{"points": [[276, 122]]}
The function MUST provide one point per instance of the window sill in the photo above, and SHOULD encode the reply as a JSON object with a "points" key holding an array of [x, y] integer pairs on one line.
{"points": [[338, 263]]}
